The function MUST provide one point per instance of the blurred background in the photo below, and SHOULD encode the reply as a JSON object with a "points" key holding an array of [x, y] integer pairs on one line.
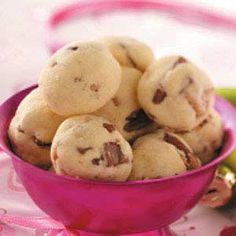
{"points": [[23, 35]]}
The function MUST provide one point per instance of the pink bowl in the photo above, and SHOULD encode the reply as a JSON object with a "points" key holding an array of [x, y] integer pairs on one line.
{"points": [[116, 208]]}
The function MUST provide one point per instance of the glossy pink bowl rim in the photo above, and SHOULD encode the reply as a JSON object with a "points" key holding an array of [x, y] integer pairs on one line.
{"points": [[231, 134]]}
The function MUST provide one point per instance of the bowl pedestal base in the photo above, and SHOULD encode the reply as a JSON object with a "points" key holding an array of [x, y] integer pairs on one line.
{"points": [[160, 232]]}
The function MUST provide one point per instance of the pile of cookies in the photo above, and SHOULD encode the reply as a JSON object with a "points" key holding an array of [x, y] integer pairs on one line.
{"points": [[108, 110]]}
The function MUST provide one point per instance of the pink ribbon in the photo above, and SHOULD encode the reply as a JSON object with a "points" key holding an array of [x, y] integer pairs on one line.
{"points": [[53, 227], [181, 11]]}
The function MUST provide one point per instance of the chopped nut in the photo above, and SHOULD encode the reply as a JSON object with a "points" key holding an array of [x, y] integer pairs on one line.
{"points": [[113, 154], [159, 96], [109, 127], [83, 150]]}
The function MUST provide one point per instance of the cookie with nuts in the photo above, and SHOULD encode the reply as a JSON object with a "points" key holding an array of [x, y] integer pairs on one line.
{"points": [[32, 129], [129, 52], [206, 138], [161, 154], [90, 147], [79, 78], [176, 93]]}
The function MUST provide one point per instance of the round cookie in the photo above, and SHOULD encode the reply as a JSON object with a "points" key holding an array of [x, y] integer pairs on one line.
{"points": [[80, 78], [32, 129], [124, 110], [161, 154], [129, 52], [90, 147], [206, 138], [175, 93]]}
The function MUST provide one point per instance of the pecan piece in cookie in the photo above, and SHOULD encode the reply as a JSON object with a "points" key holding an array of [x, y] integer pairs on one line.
{"points": [[174, 141], [179, 61], [109, 127], [83, 150], [115, 101], [191, 161], [74, 48], [159, 96], [96, 161], [113, 154], [78, 79], [94, 87]]}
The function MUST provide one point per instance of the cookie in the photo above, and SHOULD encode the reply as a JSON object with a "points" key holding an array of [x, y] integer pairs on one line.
{"points": [[32, 129], [129, 52], [80, 78], [175, 93], [124, 110], [161, 154], [206, 138], [90, 147]]}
